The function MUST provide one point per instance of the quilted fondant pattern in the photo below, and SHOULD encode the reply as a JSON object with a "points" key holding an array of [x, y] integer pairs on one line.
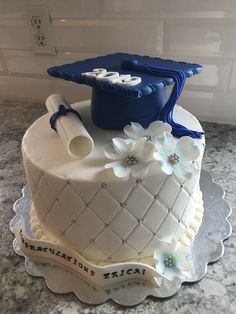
{"points": [[112, 221]]}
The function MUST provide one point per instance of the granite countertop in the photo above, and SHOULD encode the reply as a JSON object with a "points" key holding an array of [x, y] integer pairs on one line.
{"points": [[21, 293]]}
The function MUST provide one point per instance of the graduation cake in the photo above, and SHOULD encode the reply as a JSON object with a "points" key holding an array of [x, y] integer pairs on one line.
{"points": [[115, 179]]}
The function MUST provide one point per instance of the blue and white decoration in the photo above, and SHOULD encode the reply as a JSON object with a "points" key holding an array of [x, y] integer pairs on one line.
{"points": [[155, 144], [173, 260], [155, 130], [177, 156], [130, 157]]}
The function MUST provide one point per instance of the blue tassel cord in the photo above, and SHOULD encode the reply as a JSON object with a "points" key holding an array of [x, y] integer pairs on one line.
{"points": [[166, 114]]}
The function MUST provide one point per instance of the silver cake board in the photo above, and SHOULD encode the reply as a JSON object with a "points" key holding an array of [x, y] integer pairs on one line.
{"points": [[207, 248]]}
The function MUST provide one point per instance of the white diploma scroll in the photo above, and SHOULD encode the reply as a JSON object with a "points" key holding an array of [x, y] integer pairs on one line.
{"points": [[70, 128]]}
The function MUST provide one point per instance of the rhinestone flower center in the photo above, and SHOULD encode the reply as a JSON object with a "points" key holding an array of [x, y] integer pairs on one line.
{"points": [[169, 262], [173, 159], [131, 160], [148, 138]]}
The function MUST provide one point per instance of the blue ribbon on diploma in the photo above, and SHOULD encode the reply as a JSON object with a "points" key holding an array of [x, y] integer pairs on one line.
{"points": [[62, 111]]}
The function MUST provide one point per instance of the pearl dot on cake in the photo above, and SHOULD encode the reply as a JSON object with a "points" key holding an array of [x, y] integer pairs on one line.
{"points": [[139, 220]]}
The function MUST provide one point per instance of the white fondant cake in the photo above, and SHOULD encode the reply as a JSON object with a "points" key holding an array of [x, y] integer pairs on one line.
{"points": [[79, 204]]}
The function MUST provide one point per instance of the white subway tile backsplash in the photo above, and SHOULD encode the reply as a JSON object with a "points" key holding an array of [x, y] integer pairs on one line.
{"points": [[196, 31], [108, 35], [3, 68], [214, 76], [214, 107], [194, 9], [77, 9], [167, 8], [14, 34], [200, 37], [25, 88], [232, 84], [71, 91], [88, 9], [58, 8], [129, 9], [25, 62]]}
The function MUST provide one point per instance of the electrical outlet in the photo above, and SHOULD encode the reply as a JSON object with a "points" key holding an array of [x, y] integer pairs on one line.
{"points": [[40, 29], [36, 22], [40, 39]]}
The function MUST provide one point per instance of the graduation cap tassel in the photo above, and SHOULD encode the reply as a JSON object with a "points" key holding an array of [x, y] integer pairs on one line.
{"points": [[166, 114]]}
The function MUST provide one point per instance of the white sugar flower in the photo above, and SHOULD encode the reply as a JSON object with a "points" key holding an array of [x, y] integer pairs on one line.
{"points": [[129, 157], [135, 130], [173, 260], [177, 156]]}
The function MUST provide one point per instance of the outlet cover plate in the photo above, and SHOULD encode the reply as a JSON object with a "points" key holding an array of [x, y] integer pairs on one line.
{"points": [[40, 27]]}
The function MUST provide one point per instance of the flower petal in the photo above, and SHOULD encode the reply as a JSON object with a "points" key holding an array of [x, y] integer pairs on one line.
{"points": [[128, 130], [160, 267], [159, 146], [134, 130], [143, 150], [113, 164], [157, 128], [187, 148], [137, 127], [121, 171], [111, 152], [139, 169], [172, 275], [165, 247], [165, 165], [184, 170], [184, 258], [121, 146], [168, 143]]}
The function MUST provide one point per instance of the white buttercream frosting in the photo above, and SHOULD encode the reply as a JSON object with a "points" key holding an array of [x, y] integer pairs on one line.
{"points": [[186, 238]]}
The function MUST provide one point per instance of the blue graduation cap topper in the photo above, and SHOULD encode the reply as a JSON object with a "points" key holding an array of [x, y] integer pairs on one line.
{"points": [[130, 88]]}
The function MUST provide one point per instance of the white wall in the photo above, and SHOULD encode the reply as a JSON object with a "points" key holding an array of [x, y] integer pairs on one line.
{"points": [[201, 31]]}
